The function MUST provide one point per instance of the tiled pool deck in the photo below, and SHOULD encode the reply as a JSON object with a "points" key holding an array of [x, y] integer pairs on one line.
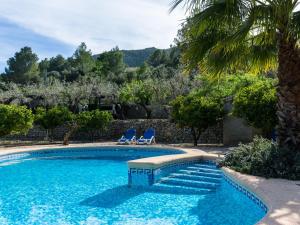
{"points": [[282, 197]]}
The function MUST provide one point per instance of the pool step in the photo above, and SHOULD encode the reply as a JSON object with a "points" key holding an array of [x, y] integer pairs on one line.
{"points": [[208, 166], [205, 170], [8, 163], [176, 189], [199, 173], [202, 178], [195, 177], [189, 183]]}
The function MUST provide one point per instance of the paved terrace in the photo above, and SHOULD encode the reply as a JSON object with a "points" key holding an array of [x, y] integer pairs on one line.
{"points": [[281, 196]]}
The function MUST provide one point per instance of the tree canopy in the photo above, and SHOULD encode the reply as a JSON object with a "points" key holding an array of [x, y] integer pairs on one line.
{"points": [[111, 62], [253, 35], [197, 112], [256, 103], [23, 67], [15, 119], [138, 92]]}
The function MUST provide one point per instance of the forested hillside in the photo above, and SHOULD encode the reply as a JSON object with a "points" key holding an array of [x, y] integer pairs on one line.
{"points": [[135, 58]]}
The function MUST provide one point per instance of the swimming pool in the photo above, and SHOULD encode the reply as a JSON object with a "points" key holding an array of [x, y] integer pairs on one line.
{"points": [[89, 186]]}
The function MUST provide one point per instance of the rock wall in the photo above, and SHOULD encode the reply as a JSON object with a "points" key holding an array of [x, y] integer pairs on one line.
{"points": [[236, 130], [166, 132]]}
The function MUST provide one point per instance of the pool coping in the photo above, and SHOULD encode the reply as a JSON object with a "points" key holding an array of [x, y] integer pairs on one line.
{"points": [[282, 197]]}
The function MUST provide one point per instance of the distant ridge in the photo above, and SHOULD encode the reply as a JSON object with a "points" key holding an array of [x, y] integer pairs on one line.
{"points": [[135, 58]]}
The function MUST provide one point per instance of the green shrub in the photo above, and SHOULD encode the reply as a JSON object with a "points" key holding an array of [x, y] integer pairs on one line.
{"points": [[257, 105], [52, 118], [15, 119], [197, 112], [263, 157], [93, 121]]}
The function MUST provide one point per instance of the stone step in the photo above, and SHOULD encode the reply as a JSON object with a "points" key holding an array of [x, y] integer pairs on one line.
{"points": [[182, 190], [195, 177], [189, 183], [199, 169], [208, 166], [199, 173]]}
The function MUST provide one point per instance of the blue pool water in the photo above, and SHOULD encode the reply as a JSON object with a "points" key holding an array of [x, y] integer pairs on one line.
{"points": [[94, 191]]}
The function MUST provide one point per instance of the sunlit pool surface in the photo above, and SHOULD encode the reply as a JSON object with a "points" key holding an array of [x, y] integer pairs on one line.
{"points": [[94, 191]]}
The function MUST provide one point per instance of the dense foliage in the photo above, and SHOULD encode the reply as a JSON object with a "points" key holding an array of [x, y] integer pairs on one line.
{"points": [[86, 82], [197, 112], [75, 95], [138, 92], [52, 118], [265, 158], [88, 121], [15, 119], [256, 103], [93, 121], [23, 67], [258, 36]]}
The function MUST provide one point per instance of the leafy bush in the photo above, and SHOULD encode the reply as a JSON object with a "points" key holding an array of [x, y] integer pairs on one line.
{"points": [[263, 157], [93, 121], [89, 122], [257, 105], [52, 118], [15, 119], [197, 112]]}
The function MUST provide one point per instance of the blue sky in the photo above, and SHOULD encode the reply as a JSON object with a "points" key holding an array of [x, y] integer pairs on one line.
{"points": [[58, 26], [14, 37]]}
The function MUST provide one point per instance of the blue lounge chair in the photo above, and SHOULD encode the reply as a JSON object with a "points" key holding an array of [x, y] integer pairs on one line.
{"points": [[128, 138], [148, 138]]}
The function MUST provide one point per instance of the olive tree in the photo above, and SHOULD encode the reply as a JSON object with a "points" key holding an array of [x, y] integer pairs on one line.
{"points": [[138, 92]]}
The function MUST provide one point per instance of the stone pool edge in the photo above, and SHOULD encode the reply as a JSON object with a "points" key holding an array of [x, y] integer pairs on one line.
{"points": [[282, 197], [148, 171]]}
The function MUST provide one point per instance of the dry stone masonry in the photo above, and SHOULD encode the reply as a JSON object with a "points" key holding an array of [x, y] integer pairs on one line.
{"points": [[166, 132]]}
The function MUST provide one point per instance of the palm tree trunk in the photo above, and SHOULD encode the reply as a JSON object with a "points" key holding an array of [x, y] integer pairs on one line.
{"points": [[289, 95]]}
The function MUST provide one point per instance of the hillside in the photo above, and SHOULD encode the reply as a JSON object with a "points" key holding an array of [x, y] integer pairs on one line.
{"points": [[135, 58]]}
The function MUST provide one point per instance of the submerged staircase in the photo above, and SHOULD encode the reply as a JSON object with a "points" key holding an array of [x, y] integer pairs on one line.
{"points": [[194, 179]]}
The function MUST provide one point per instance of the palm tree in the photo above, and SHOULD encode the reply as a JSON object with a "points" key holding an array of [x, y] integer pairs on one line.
{"points": [[259, 35]]}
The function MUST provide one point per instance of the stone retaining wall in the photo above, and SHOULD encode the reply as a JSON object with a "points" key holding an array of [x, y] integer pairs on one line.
{"points": [[166, 132]]}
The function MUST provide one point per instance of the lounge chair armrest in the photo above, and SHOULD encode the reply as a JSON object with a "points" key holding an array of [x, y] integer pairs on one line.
{"points": [[122, 138], [152, 140]]}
